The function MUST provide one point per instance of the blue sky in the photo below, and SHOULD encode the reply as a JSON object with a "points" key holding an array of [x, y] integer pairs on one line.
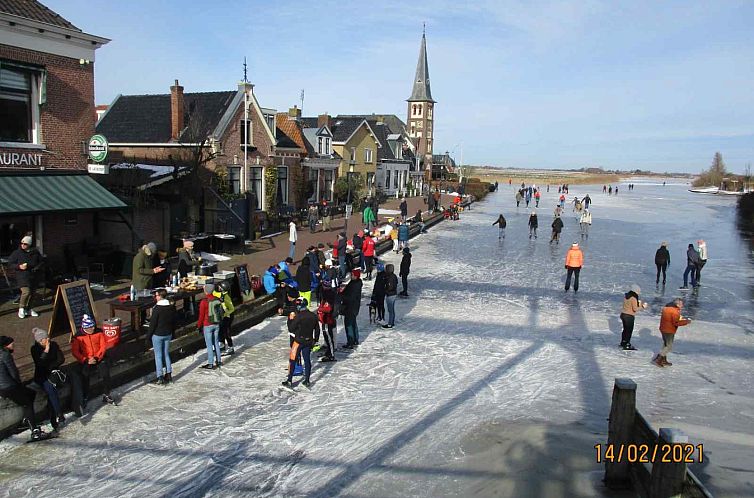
{"points": [[553, 84]]}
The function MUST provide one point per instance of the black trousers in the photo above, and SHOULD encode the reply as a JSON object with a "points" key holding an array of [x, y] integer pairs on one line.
{"points": [[661, 267], [699, 267], [225, 331], [628, 328], [575, 272], [80, 375], [380, 307], [24, 397], [404, 279]]}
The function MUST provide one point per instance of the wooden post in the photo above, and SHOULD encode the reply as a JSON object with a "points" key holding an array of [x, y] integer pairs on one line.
{"points": [[620, 429], [668, 477]]}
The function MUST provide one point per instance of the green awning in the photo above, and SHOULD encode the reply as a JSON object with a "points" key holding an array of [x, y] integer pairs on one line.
{"points": [[42, 193]]}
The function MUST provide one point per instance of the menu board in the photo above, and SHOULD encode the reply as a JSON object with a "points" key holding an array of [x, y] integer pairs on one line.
{"points": [[244, 282], [72, 302]]}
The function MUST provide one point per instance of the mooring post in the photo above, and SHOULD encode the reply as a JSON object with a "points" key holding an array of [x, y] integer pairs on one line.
{"points": [[619, 434], [668, 470]]}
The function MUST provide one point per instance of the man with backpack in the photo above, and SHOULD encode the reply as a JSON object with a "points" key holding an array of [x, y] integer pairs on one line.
{"points": [[210, 316], [222, 293]]}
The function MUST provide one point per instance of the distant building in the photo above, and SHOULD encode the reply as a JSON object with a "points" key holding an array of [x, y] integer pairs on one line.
{"points": [[223, 148], [420, 113], [46, 119]]}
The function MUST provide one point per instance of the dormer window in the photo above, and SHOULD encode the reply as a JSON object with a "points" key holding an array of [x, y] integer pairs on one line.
{"points": [[323, 146]]}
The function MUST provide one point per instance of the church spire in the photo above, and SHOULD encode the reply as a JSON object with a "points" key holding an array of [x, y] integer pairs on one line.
{"points": [[422, 91]]}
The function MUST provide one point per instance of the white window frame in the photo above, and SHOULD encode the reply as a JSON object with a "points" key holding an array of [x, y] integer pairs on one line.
{"points": [[260, 194], [368, 155], [387, 179], [246, 132], [353, 154], [328, 146], [284, 191], [35, 135]]}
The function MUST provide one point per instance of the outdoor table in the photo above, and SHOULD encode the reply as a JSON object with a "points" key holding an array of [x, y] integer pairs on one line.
{"points": [[136, 309], [222, 237]]}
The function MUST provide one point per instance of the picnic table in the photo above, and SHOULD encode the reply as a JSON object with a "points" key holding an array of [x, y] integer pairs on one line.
{"points": [[137, 309]]}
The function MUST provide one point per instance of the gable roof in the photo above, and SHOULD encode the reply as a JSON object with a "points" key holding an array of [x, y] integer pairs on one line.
{"points": [[395, 123], [381, 131], [146, 118], [35, 11], [292, 130]]}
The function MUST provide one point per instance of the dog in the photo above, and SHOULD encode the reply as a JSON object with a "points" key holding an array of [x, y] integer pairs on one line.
{"points": [[372, 312]]}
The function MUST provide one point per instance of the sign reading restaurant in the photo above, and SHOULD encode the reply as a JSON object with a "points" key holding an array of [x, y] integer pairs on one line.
{"points": [[20, 159]]}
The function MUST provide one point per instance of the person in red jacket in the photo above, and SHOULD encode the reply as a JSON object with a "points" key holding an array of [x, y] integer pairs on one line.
{"points": [[327, 325], [88, 348], [209, 326], [367, 249]]}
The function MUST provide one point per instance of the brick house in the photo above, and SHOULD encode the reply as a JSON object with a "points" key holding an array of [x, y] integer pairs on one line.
{"points": [[224, 143], [46, 117]]}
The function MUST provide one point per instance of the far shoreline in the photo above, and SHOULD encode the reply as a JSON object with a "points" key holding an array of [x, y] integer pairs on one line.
{"points": [[559, 177]]}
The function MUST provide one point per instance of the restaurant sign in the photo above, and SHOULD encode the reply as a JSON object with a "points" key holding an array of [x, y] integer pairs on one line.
{"points": [[21, 159]]}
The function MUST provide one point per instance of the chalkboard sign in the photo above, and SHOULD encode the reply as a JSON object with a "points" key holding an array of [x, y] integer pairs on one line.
{"points": [[72, 302], [244, 282]]}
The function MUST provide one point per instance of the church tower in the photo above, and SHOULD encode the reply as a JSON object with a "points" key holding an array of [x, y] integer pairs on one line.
{"points": [[421, 108]]}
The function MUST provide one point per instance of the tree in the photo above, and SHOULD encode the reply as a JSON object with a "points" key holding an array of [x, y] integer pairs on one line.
{"points": [[714, 175]]}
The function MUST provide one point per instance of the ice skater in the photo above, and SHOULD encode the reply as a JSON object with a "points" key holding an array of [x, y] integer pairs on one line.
{"points": [[585, 222], [670, 320], [631, 304], [702, 245], [519, 197], [405, 269], [574, 260], [533, 224], [557, 227], [662, 261], [305, 331], [501, 223], [692, 262]]}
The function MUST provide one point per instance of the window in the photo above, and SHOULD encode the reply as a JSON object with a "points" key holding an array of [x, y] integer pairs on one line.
{"points": [[320, 143], [420, 124], [283, 184], [420, 110], [387, 178], [326, 192], [429, 133], [353, 154], [270, 118], [255, 186], [234, 179], [370, 180], [328, 150], [413, 110], [246, 127], [413, 130], [395, 179], [323, 146], [429, 112], [19, 117], [367, 155]]}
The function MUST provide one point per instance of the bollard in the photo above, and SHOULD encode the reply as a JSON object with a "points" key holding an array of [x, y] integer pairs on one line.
{"points": [[668, 475], [620, 428]]}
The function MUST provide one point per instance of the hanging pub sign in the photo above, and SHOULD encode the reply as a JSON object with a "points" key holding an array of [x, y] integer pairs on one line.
{"points": [[97, 148]]}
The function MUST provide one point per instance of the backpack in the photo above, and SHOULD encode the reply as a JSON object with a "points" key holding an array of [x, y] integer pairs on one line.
{"points": [[215, 311]]}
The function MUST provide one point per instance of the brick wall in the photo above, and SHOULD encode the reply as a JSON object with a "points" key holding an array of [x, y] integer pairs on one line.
{"points": [[57, 235], [68, 117]]}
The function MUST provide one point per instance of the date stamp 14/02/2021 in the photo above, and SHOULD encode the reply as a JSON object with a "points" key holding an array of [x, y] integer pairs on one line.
{"points": [[650, 453]]}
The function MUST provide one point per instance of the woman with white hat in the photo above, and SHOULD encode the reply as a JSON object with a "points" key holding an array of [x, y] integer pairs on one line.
{"points": [[631, 304]]}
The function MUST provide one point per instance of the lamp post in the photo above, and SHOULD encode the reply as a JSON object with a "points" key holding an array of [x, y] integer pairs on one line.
{"points": [[348, 199]]}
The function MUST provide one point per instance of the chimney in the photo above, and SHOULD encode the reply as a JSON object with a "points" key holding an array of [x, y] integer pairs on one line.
{"points": [[324, 120], [294, 113], [176, 111]]}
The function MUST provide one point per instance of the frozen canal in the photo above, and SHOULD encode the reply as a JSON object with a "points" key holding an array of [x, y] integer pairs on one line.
{"points": [[494, 380]]}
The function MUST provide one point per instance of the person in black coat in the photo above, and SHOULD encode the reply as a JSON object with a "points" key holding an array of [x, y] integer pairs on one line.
{"points": [[405, 270], [304, 279], [533, 224], [662, 261], [501, 223], [27, 264], [378, 292], [161, 331], [350, 305], [404, 209], [391, 291], [303, 327], [48, 357], [12, 388], [557, 227]]}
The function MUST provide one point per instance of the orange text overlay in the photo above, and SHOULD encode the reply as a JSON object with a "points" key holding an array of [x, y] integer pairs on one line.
{"points": [[650, 453]]}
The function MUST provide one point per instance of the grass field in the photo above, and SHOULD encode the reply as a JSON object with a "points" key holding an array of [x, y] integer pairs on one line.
{"points": [[542, 176]]}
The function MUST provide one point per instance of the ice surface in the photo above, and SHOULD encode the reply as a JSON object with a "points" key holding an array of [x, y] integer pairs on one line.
{"points": [[493, 381]]}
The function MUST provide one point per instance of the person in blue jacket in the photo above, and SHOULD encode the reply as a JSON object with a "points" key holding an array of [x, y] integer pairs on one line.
{"points": [[402, 236], [270, 280]]}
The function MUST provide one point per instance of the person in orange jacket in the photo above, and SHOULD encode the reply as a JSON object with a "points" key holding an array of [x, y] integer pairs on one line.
{"points": [[573, 262], [88, 348], [670, 320]]}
